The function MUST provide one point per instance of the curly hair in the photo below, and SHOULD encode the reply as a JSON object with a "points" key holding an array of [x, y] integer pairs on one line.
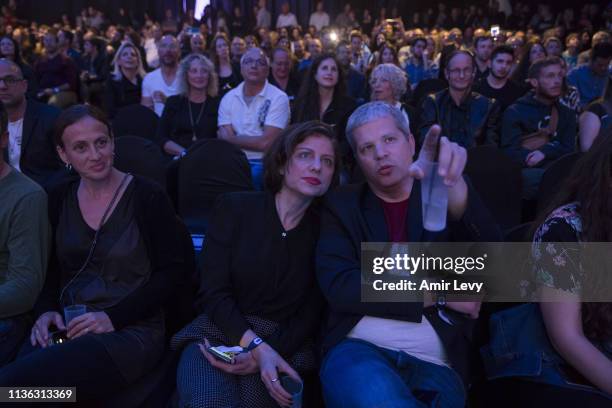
{"points": [[395, 75], [213, 79]]}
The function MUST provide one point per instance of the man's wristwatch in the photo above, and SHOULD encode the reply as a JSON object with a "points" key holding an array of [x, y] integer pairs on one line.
{"points": [[253, 344]]}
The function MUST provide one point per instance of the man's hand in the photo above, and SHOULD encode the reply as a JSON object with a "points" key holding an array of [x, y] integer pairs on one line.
{"points": [[534, 158], [451, 160], [226, 133]]}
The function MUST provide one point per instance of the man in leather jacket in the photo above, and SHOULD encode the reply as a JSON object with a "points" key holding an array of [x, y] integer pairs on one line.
{"points": [[466, 117]]}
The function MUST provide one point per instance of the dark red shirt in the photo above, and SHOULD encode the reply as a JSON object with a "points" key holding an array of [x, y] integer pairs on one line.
{"points": [[395, 218]]}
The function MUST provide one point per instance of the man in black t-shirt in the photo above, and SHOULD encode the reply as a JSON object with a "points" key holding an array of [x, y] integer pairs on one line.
{"points": [[497, 83]]}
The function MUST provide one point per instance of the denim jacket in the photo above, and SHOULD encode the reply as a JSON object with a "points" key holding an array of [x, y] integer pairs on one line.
{"points": [[520, 347]]}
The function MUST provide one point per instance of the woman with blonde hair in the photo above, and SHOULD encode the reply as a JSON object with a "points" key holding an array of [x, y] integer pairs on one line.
{"points": [[124, 85], [192, 114]]}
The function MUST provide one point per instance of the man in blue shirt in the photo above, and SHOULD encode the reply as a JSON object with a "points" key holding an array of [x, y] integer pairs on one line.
{"points": [[590, 79]]}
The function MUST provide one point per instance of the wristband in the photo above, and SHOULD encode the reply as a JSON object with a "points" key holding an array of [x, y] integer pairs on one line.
{"points": [[253, 344]]}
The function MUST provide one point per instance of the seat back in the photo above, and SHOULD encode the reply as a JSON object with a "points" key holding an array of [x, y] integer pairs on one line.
{"points": [[553, 178], [141, 156], [498, 181], [210, 168], [135, 120]]}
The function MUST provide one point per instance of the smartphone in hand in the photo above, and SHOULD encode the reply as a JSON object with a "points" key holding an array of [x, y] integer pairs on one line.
{"points": [[224, 353]]}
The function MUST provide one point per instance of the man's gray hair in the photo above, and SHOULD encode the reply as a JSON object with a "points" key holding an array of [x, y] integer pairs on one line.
{"points": [[371, 112], [252, 50], [395, 75]]}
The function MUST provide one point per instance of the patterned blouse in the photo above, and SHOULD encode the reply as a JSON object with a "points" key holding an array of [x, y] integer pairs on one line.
{"points": [[558, 266]]}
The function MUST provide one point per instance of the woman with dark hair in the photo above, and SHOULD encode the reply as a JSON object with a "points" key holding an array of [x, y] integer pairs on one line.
{"points": [[532, 52], [386, 54], [228, 73], [265, 301], [323, 95], [112, 258], [568, 334], [9, 49], [596, 119]]}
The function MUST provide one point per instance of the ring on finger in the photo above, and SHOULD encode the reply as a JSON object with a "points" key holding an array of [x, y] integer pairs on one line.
{"points": [[274, 380]]}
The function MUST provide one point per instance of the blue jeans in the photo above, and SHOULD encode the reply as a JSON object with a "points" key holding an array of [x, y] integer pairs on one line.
{"points": [[357, 374], [257, 173]]}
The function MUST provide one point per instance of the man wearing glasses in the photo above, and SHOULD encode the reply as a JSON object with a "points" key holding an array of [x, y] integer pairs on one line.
{"points": [[466, 117], [30, 126], [253, 114]]}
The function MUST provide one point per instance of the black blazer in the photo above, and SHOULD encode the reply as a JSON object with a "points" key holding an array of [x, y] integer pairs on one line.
{"points": [[352, 214], [39, 159]]}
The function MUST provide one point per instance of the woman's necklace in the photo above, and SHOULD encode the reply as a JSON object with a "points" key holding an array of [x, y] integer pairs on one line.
{"points": [[197, 121]]}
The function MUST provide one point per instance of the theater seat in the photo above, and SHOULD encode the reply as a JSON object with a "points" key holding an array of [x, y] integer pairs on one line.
{"points": [[135, 120], [143, 157], [498, 181], [553, 178]]}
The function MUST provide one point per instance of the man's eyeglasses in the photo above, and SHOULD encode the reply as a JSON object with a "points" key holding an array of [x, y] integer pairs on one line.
{"points": [[466, 72], [10, 80], [259, 62]]}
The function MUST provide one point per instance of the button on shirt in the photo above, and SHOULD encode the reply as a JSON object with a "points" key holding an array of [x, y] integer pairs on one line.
{"points": [[270, 107], [15, 130]]}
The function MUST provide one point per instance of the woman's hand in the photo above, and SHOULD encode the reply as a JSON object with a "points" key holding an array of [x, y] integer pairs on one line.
{"points": [[94, 322], [243, 363], [40, 330], [271, 365]]}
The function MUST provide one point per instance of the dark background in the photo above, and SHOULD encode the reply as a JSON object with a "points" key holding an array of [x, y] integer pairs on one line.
{"points": [[50, 11]]}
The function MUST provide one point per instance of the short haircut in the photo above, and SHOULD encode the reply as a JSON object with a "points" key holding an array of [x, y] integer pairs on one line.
{"points": [[502, 49], [456, 52], [3, 119], [213, 79], [281, 150], [536, 68], [395, 75], [13, 66], [553, 39], [74, 114], [480, 38], [602, 50], [356, 33], [370, 112], [417, 39]]}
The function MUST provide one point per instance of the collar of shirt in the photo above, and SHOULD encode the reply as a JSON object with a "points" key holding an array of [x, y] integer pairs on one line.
{"points": [[240, 92]]}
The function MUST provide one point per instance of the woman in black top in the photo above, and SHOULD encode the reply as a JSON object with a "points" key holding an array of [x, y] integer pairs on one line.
{"points": [[228, 73], [9, 49], [111, 254], [596, 119], [323, 97], [258, 279], [124, 85], [192, 114]]}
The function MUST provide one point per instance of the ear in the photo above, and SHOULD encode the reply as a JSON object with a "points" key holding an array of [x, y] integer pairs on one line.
{"points": [[446, 75], [62, 154], [412, 144], [533, 82]]}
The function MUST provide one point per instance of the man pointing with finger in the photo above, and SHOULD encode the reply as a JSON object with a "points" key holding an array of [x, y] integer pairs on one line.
{"points": [[394, 354]]}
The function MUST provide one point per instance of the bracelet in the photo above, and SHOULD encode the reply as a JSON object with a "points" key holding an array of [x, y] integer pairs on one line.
{"points": [[253, 344]]}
